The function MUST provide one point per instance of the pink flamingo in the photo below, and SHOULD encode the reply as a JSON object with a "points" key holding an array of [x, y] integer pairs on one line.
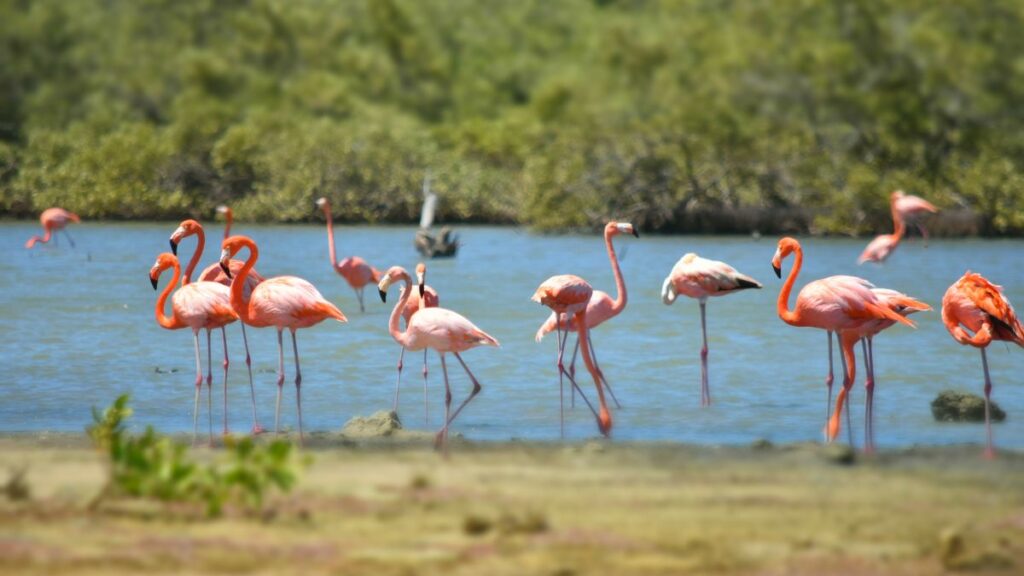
{"points": [[356, 271], [902, 305], [282, 302], [229, 217], [700, 278], [980, 306], [883, 245], [53, 220], [834, 304], [214, 273], [911, 209], [600, 308], [199, 306], [424, 297], [570, 295], [437, 328]]}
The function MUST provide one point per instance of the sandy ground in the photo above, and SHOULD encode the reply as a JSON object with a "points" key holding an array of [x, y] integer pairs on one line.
{"points": [[397, 507]]}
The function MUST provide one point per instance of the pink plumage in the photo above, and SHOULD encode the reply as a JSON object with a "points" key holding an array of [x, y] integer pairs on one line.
{"points": [[52, 220], [356, 271]]}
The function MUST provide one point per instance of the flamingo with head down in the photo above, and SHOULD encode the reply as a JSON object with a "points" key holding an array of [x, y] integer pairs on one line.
{"points": [[356, 271], [54, 220]]}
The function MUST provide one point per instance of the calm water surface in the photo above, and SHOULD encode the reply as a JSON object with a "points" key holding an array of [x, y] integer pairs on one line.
{"points": [[79, 329]]}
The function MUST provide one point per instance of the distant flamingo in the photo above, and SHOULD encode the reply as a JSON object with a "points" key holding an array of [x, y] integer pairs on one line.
{"points": [[199, 306], [834, 304], [978, 305], [570, 295], [437, 328], [911, 209], [229, 217], [213, 273], [53, 220], [282, 302], [884, 245], [600, 308], [353, 269], [699, 278], [424, 297], [902, 305]]}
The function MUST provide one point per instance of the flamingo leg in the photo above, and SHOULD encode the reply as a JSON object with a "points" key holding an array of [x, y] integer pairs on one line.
{"points": [[604, 380], [256, 428], [604, 418], [209, 384], [68, 236], [227, 362], [828, 383], [426, 404], [924, 233], [869, 385], [561, 372], [359, 296], [280, 381], [199, 387], [441, 440], [871, 393], [298, 384], [572, 373], [705, 390], [989, 450], [398, 382], [848, 362], [472, 394]]}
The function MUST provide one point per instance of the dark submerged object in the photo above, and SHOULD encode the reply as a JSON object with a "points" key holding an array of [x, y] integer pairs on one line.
{"points": [[956, 406], [445, 245]]}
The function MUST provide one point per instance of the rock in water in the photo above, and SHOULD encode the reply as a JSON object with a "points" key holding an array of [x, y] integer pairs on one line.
{"points": [[381, 423], [955, 406]]}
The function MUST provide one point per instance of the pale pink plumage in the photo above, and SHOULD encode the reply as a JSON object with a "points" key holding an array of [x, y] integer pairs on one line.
{"points": [[356, 271], [909, 206], [53, 220], [880, 248]]}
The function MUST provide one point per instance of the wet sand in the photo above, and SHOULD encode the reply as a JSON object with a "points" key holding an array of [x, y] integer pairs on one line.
{"points": [[393, 506]]}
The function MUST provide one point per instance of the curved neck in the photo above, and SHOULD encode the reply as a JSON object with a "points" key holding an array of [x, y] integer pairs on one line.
{"points": [[897, 221], [620, 283], [169, 322], [238, 301], [788, 316], [398, 335], [200, 246], [330, 235], [229, 216]]}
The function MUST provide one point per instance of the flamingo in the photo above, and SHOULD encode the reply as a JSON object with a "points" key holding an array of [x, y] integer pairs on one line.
{"points": [[834, 304], [213, 273], [282, 302], [440, 329], [883, 245], [356, 271], [700, 278], [568, 294], [902, 305], [424, 297], [911, 208], [600, 308], [980, 306], [229, 217], [53, 219], [199, 306]]}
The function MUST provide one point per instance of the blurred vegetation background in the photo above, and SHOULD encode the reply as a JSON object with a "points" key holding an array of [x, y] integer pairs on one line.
{"points": [[695, 115]]}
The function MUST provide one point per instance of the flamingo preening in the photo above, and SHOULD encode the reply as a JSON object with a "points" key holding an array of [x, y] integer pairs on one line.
{"points": [[356, 271], [54, 220]]}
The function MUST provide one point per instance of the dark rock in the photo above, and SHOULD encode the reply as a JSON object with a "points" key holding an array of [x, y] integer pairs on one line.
{"points": [[956, 406], [839, 454]]}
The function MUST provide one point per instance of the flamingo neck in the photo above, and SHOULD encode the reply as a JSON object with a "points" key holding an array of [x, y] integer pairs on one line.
{"points": [[620, 283], [238, 300], [200, 246], [393, 329], [169, 322], [788, 316], [330, 235], [229, 217]]}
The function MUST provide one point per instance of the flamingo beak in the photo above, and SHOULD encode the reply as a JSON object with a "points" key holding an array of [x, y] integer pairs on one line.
{"points": [[423, 289], [778, 270], [174, 246], [227, 270], [635, 233], [383, 295], [153, 282]]}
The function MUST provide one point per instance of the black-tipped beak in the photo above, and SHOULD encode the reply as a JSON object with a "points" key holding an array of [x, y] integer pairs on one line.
{"points": [[174, 247], [383, 295], [778, 271], [227, 270], [635, 233], [423, 289], [153, 282]]}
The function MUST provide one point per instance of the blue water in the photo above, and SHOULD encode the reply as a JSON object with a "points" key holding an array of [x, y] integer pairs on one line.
{"points": [[78, 329]]}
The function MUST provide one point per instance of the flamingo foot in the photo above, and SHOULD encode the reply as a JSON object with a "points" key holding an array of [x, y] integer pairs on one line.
{"points": [[990, 453], [257, 430]]}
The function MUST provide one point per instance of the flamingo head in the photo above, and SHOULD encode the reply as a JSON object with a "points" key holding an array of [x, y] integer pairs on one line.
{"points": [[164, 261], [612, 228], [604, 421], [322, 202], [230, 246], [787, 246], [184, 230], [421, 277], [896, 195], [222, 209], [394, 274]]}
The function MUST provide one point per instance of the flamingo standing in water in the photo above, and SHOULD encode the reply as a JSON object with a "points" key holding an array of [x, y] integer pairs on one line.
{"points": [[568, 294], [53, 220], [356, 271], [282, 302], [834, 304], [214, 273], [980, 306], [424, 297], [902, 305], [199, 306], [438, 328], [600, 309], [700, 278], [912, 209]]}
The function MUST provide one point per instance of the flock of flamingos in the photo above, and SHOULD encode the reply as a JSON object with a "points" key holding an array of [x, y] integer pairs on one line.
{"points": [[974, 310]]}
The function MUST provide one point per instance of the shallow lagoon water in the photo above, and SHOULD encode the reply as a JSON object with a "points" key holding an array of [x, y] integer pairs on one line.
{"points": [[79, 329]]}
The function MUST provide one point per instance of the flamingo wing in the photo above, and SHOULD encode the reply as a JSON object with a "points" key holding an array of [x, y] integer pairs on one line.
{"points": [[989, 298], [908, 205], [698, 277]]}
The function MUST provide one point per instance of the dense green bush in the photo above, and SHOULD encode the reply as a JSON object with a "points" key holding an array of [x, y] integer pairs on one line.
{"points": [[680, 115]]}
